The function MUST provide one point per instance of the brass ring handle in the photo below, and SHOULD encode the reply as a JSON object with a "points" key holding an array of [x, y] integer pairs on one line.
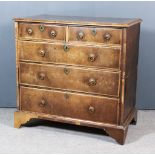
{"points": [[80, 35], [66, 71], [42, 103], [107, 36], [91, 109], [41, 76], [42, 53], [66, 48], [91, 57], [92, 82], [53, 34], [29, 31]]}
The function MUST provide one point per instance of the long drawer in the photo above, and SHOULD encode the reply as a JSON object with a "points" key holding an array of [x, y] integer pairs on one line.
{"points": [[70, 78], [42, 31], [70, 54], [74, 105]]}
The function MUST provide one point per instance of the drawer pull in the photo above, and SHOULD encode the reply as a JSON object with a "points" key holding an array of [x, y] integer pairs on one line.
{"points": [[42, 103], [94, 32], [107, 36], [41, 76], [66, 71], [41, 28], [91, 109], [92, 82], [29, 31], [80, 35], [91, 57], [53, 34], [66, 48], [42, 53]]}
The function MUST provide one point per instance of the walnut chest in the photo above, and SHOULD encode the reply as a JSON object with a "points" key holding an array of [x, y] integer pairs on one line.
{"points": [[77, 70]]}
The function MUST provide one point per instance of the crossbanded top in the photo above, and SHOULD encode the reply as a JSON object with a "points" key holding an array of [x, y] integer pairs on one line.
{"points": [[75, 20]]}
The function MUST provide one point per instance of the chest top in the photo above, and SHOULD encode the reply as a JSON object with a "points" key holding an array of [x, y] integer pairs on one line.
{"points": [[97, 21]]}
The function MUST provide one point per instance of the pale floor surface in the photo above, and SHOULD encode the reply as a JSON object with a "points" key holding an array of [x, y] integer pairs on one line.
{"points": [[49, 137]]}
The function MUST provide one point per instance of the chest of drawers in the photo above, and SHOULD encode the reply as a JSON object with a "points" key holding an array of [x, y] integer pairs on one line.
{"points": [[77, 70]]}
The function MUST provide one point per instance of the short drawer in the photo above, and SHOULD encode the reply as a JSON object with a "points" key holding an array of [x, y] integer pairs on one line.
{"points": [[70, 78], [99, 35], [74, 105], [70, 54], [41, 31]]}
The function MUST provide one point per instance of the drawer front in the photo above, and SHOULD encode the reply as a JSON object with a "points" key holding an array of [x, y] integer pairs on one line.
{"points": [[70, 54], [99, 35], [86, 107], [71, 78], [41, 31]]}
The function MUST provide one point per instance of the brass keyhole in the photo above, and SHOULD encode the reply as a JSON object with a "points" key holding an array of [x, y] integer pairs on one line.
{"points": [[42, 28], [66, 71], [42, 103], [66, 96], [66, 48], [94, 32]]}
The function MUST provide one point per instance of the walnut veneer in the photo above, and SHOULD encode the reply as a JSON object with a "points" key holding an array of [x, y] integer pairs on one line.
{"points": [[77, 70]]}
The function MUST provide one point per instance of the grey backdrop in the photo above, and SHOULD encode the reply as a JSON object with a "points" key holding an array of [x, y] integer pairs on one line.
{"points": [[143, 10]]}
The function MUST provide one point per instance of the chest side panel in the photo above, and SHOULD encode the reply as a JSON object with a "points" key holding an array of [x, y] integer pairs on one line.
{"points": [[132, 48]]}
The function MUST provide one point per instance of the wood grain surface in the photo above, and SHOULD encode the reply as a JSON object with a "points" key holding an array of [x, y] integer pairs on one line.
{"points": [[78, 70]]}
